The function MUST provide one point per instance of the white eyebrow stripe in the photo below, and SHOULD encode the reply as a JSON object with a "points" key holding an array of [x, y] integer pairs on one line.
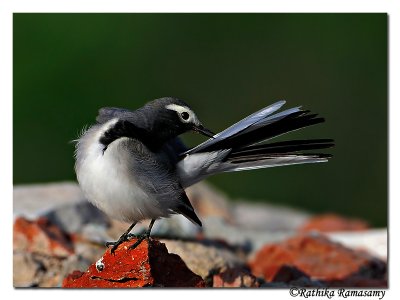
{"points": [[180, 109]]}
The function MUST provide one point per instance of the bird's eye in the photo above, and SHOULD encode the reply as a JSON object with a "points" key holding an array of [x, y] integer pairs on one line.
{"points": [[185, 115]]}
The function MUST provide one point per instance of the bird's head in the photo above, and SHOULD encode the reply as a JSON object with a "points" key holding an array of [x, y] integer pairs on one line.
{"points": [[173, 117]]}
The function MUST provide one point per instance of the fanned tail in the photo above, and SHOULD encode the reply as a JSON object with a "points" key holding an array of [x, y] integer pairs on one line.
{"points": [[244, 145]]}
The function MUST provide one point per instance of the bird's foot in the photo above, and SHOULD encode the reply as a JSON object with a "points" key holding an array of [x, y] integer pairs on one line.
{"points": [[123, 238], [139, 240]]}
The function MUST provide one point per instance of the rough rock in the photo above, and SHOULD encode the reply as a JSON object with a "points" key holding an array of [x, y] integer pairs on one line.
{"points": [[235, 277], [74, 217], [374, 241], [38, 270], [205, 257], [360, 281], [42, 253], [319, 258], [41, 236], [248, 238], [176, 226], [149, 264], [294, 277], [35, 200], [63, 204], [70, 235], [95, 233], [332, 223], [25, 269], [265, 216], [209, 201]]}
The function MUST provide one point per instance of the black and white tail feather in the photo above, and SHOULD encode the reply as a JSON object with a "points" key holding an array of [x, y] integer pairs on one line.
{"points": [[239, 147]]}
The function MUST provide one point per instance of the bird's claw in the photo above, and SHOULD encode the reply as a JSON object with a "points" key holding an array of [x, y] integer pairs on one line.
{"points": [[122, 239], [139, 241]]}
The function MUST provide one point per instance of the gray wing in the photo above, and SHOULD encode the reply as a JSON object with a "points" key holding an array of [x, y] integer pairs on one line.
{"points": [[156, 174]]}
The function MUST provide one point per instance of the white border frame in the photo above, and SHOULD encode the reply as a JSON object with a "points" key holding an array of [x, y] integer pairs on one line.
{"points": [[7, 8]]}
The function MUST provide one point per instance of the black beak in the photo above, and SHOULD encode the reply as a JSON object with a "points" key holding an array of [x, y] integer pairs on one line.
{"points": [[204, 131]]}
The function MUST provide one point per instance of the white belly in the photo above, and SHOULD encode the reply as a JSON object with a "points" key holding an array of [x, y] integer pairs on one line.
{"points": [[108, 183]]}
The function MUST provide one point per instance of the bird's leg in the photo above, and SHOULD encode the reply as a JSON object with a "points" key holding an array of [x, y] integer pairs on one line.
{"points": [[146, 235], [124, 237]]}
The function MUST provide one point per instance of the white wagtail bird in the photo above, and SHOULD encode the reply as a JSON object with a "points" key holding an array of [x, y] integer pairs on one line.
{"points": [[133, 166]]}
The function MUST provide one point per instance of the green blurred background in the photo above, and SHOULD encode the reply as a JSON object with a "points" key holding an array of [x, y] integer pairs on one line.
{"points": [[67, 66]]}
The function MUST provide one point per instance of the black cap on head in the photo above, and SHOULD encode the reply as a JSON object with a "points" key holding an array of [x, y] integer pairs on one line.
{"points": [[172, 117]]}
